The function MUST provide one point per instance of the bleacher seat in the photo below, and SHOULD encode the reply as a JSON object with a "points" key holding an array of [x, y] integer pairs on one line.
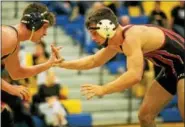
{"points": [[139, 20], [122, 11], [91, 47], [173, 103], [64, 92], [38, 122], [120, 57], [73, 106], [80, 120], [114, 66], [62, 20], [148, 6], [74, 28], [134, 11], [171, 115], [29, 60], [171, 112]]}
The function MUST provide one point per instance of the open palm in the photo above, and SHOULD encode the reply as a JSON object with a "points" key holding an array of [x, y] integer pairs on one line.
{"points": [[89, 90]]}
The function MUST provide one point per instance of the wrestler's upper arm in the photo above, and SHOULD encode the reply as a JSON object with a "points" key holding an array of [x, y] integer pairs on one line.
{"points": [[104, 55], [133, 51], [12, 63], [9, 43]]}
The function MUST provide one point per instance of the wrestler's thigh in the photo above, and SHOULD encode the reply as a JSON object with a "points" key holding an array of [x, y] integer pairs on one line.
{"points": [[155, 99]]}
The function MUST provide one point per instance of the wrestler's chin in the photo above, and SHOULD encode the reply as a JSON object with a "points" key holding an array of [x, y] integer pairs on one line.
{"points": [[36, 41], [99, 43]]}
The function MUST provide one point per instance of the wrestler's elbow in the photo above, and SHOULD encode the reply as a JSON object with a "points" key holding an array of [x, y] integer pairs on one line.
{"points": [[137, 77], [94, 63]]}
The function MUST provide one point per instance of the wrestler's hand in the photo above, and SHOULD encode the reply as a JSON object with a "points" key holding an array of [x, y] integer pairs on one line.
{"points": [[55, 57], [56, 50], [89, 90], [19, 91]]}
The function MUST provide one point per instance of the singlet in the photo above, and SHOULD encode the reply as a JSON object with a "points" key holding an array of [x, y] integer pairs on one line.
{"points": [[5, 56], [170, 55]]}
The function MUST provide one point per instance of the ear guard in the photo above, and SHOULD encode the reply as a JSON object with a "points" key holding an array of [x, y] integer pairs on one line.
{"points": [[105, 28], [35, 20]]}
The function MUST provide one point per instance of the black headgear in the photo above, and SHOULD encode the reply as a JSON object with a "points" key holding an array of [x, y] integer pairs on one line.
{"points": [[34, 20]]}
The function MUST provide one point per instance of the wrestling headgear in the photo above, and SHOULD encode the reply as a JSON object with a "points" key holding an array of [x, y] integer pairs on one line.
{"points": [[105, 28], [34, 20]]}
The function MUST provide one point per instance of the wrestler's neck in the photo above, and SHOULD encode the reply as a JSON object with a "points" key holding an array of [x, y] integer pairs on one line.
{"points": [[117, 39], [23, 33]]}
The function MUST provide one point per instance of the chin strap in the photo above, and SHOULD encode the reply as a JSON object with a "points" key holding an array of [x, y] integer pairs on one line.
{"points": [[32, 32], [105, 44]]}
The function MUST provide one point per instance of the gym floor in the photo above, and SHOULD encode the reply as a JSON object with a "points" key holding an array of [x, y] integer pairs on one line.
{"points": [[158, 125]]}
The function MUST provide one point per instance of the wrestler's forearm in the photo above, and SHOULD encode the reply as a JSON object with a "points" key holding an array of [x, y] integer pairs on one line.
{"points": [[80, 64], [25, 72], [5, 85], [125, 81]]}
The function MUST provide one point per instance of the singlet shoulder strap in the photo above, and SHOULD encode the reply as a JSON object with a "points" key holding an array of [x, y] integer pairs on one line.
{"points": [[5, 56], [123, 33], [14, 29], [125, 29], [17, 37]]}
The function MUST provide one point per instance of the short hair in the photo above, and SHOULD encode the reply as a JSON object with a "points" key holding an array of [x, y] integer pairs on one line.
{"points": [[41, 8], [103, 13]]}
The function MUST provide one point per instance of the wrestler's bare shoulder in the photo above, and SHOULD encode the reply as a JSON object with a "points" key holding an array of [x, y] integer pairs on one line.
{"points": [[151, 37], [9, 40], [145, 30], [8, 33]]}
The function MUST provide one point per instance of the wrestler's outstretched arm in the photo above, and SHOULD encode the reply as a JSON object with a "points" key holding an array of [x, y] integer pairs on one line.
{"points": [[17, 71], [89, 62], [132, 49]]}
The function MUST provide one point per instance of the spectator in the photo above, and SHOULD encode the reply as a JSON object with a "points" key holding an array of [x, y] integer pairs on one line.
{"points": [[157, 16], [84, 6], [124, 20], [60, 7], [111, 5], [49, 94], [40, 56], [177, 18]]}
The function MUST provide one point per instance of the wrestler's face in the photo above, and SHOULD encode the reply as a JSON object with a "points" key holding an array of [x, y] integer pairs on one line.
{"points": [[96, 37], [39, 34]]}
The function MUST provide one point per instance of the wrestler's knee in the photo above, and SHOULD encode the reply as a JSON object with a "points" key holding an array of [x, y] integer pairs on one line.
{"points": [[145, 116]]}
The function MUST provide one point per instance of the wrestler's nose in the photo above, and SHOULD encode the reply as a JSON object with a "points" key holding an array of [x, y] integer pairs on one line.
{"points": [[93, 38]]}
